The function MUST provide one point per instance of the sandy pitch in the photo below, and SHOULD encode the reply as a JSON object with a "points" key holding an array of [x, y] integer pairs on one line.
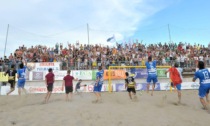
{"points": [[115, 110]]}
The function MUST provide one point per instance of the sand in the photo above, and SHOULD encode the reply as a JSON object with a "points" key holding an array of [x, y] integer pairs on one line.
{"points": [[115, 110]]}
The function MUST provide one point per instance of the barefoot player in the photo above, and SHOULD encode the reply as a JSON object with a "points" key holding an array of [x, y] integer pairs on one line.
{"points": [[11, 78], [152, 74], [68, 83], [204, 77], [176, 77], [21, 78], [49, 80], [130, 85], [98, 84]]}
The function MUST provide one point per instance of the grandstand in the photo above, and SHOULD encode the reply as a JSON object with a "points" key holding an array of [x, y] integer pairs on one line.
{"points": [[83, 57]]}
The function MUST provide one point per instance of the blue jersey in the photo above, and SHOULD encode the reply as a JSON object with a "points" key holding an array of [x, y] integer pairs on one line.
{"points": [[151, 68], [100, 76], [21, 73], [203, 75]]}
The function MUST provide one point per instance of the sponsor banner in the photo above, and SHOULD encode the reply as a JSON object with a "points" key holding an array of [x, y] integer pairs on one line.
{"points": [[43, 89], [139, 86], [37, 75], [3, 78], [94, 74], [44, 66], [142, 73], [59, 75], [184, 85], [115, 74], [83, 74], [31, 90], [80, 74], [161, 73], [27, 75]]}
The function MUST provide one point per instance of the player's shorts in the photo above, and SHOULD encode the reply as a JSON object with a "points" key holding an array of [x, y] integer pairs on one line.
{"points": [[178, 87], [97, 88], [50, 87], [207, 91], [152, 78], [203, 90], [131, 90], [12, 83], [69, 89], [21, 83]]}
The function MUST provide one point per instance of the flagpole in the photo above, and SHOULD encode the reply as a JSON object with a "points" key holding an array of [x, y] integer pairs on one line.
{"points": [[169, 33], [5, 47], [88, 35]]}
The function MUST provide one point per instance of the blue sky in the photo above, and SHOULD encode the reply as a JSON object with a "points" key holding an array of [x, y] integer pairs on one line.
{"points": [[46, 22]]}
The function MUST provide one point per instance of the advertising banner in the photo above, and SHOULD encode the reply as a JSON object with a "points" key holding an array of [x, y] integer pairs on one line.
{"points": [[43, 89], [161, 73], [59, 75], [3, 78], [115, 74], [139, 86], [43, 66], [140, 73], [37, 75], [94, 74], [82, 74]]}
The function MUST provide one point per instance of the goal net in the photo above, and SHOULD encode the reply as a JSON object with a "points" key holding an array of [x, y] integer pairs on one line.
{"points": [[116, 76]]}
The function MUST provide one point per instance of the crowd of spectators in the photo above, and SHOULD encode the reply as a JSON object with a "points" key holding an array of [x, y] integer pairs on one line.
{"points": [[83, 56]]}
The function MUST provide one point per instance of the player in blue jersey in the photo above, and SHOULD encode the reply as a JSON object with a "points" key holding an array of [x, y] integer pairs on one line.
{"points": [[204, 77], [98, 84], [152, 74], [21, 78]]}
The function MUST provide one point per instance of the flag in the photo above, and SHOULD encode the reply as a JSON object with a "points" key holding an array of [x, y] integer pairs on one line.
{"points": [[111, 39]]}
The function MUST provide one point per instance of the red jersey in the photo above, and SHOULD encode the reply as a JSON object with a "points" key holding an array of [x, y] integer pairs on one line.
{"points": [[50, 78], [68, 80], [175, 76]]}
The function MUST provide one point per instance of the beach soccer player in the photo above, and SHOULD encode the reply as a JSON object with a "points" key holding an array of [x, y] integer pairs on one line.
{"points": [[152, 74], [176, 78], [49, 81], [78, 85], [98, 84], [21, 74], [130, 85], [204, 77], [68, 83], [11, 73]]}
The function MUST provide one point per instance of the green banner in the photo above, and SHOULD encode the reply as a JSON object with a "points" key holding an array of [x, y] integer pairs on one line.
{"points": [[161, 73], [94, 74]]}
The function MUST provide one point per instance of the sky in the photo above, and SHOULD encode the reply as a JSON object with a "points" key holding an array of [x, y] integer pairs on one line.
{"points": [[46, 22]]}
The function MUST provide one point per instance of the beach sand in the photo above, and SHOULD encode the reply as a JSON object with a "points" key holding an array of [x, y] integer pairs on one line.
{"points": [[115, 110]]}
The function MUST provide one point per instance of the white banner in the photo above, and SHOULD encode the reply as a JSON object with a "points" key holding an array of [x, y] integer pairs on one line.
{"points": [[43, 66], [43, 89], [82, 74]]}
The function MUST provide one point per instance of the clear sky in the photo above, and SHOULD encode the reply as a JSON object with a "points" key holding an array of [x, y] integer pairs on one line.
{"points": [[46, 22]]}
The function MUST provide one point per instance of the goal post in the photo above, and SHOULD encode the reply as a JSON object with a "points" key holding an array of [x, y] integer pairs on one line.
{"points": [[126, 67]]}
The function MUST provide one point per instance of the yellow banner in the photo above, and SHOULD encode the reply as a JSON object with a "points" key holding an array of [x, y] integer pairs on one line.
{"points": [[3, 78]]}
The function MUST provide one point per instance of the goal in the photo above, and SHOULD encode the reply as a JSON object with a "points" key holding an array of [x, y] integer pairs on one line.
{"points": [[139, 72]]}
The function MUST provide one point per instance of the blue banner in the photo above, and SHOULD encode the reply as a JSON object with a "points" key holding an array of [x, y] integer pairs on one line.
{"points": [[139, 86]]}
